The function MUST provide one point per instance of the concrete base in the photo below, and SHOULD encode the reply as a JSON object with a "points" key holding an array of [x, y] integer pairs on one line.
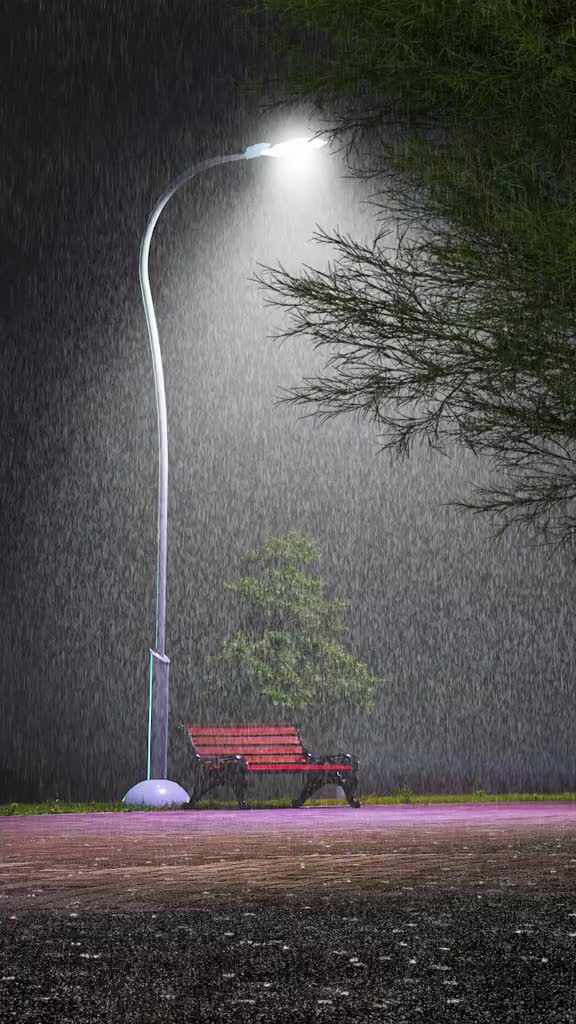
{"points": [[156, 793]]}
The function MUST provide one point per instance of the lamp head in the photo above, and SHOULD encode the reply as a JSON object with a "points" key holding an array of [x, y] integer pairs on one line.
{"points": [[290, 148]]}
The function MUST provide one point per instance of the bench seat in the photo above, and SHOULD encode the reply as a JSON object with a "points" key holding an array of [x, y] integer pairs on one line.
{"points": [[299, 768], [228, 754]]}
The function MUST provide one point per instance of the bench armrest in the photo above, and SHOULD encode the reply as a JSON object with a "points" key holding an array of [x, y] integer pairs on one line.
{"points": [[333, 759], [217, 759]]}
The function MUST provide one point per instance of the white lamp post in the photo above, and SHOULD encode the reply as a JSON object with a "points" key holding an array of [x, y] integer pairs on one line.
{"points": [[156, 789]]}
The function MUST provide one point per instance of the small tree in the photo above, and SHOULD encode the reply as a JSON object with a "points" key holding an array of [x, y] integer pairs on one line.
{"points": [[290, 655]]}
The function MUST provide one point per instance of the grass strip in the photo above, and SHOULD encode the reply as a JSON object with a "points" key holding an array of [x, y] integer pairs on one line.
{"points": [[404, 797]]}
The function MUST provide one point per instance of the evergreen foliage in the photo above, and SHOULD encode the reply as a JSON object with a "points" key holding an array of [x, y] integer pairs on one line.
{"points": [[465, 334], [290, 656]]}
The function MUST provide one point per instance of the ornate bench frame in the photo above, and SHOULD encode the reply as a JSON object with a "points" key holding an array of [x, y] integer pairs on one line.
{"points": [[233, 769]]}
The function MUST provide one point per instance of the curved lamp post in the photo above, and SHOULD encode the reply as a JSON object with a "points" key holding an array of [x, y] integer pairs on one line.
{"points": [[157, 789]]}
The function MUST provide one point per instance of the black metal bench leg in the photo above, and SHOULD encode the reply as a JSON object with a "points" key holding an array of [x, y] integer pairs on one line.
{"points": [[350, 786], [204, 780], [239, 784], [198, 791], [207, 777], [220, 772], [313, 783]]}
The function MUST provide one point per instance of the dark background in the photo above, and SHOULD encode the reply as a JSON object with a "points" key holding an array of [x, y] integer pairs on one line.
{"points": [[102, 104]]}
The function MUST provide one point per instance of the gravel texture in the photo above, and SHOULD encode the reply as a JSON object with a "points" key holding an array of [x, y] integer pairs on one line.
{"points": [[411, 954]]}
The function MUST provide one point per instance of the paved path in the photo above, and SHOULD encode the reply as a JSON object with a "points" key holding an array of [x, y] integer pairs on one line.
{"points": [[381, 915], [173, 860]]}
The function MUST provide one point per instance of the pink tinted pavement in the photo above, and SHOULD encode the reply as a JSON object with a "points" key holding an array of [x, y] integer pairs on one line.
{"points": [[171, 859]]}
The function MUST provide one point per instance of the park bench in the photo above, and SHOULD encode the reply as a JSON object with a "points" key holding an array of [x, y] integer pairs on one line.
{"points": [[226, 755]]}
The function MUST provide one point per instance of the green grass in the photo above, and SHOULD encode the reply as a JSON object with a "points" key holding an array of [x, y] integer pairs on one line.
{"points": [[400, 797]]}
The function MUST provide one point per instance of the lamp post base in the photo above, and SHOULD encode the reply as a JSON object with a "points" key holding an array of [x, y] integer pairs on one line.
{"points": [[156, 793]]}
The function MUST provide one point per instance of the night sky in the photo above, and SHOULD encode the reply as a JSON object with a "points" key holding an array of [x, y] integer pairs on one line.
{"points": [[102, 104]]}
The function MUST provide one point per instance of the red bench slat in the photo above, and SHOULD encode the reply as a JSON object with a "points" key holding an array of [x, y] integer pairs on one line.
{"points": [[241, 749], [265, 744], [252, 741], [300, 768], [271, 743], [268, 759], [269, 747], [257, 758], [222, 730]]}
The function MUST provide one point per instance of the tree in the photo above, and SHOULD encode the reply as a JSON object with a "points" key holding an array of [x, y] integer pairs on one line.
{"points": [[471, 327], [290, 655]]}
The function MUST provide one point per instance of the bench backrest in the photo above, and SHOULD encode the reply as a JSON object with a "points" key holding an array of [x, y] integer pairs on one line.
{"points": [[259, 744]]}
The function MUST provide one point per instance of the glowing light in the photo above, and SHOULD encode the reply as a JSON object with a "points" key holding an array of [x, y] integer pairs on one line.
{"points": [[292, 147]]}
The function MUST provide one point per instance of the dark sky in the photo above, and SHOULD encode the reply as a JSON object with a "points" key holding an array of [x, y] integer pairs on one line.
{"points": [[102, 104]]}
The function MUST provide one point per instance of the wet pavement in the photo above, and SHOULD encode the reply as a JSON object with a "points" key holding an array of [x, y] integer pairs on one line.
{"points": [[390, 914], [173, 860]]}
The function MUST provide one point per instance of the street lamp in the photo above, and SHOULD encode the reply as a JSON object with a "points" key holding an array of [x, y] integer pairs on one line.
{"points": [[156, 789]]}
